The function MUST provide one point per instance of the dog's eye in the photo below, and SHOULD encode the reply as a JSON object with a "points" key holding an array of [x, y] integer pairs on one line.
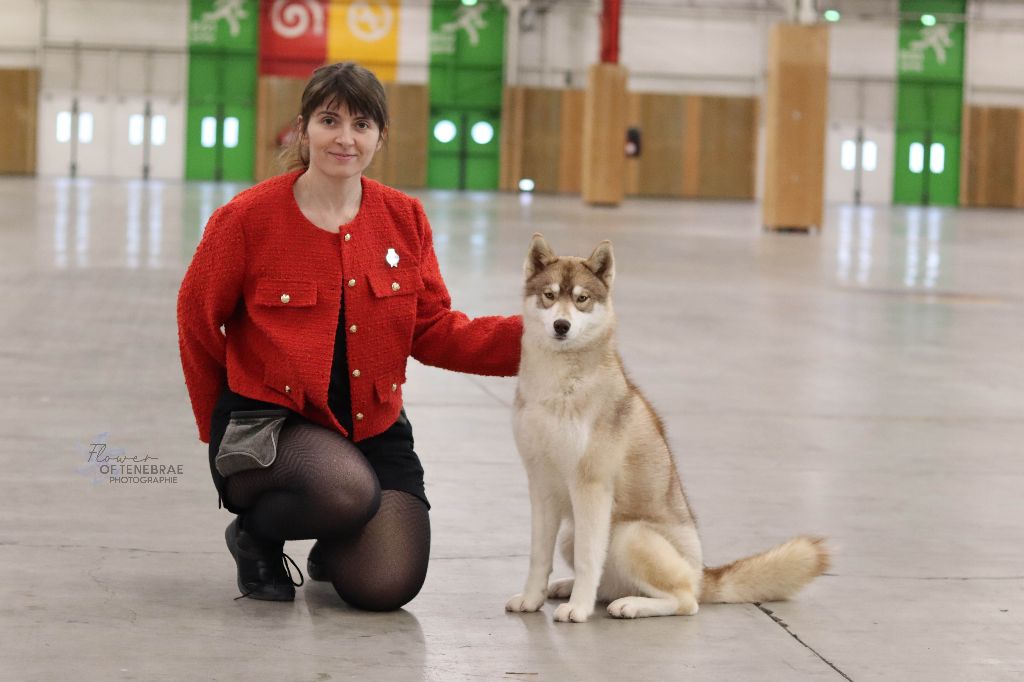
{"points": [[548, 295], [582, 299]]}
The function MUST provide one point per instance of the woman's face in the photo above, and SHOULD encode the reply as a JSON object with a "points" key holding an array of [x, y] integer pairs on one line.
{"points": [[341, 144]]}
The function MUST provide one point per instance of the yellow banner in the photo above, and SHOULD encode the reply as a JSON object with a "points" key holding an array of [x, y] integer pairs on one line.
{"points": [[365, 31]]}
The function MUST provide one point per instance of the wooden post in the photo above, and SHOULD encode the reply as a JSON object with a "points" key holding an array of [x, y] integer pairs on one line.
{"points": [[19, 91], [604, 118], [796, 108], [604, 135]]}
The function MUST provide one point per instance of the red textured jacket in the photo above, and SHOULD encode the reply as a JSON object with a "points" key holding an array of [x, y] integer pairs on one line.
{"points": [[274, 281]]}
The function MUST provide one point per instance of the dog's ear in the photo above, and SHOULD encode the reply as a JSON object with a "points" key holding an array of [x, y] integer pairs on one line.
{"points": [[602, 263], [538, 257]]}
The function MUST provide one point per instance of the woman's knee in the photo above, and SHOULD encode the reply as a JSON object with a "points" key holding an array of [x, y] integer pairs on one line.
{"points": [[388, 593]]}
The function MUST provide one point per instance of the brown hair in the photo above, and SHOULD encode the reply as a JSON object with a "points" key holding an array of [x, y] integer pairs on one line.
{"points": [[343, 84]]}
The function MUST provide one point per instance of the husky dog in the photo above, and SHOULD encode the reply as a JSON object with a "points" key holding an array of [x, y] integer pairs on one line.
{"points": [[598, 461]]}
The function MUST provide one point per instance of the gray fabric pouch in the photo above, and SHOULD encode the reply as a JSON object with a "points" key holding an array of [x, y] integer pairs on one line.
{"points": [[250, 441]]}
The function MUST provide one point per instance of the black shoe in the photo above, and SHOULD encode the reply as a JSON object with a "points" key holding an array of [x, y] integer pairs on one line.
{"points": [[314, 569], [263, 571]]}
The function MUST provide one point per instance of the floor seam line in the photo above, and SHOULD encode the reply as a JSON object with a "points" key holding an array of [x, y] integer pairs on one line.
{"points": [[785, 626]]}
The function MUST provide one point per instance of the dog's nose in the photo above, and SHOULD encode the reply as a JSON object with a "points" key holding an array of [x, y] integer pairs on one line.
{"points": [[562, 327]]}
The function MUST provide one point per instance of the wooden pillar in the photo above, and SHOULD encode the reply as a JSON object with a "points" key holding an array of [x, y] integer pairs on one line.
{"points": [[1019, 187], [402, 162], [571, 148], [277, 105], [19, 91], [604, 135], [993, 160], [796, 109], [513, 112]]}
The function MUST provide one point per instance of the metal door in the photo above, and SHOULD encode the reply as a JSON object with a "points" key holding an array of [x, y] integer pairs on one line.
{"points": [[927, 164], [859, 162], [463, 151]]}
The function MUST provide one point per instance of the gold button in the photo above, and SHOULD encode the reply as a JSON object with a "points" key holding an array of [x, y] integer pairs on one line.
{"points": [[351, 282], [348, 237], [287, 389], [356, 372], [285, 298], [394, 286], [359, 416], [394, 387], [353, 329]]}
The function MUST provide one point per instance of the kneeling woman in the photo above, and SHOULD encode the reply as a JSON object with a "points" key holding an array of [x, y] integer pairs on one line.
{"points": [[325, 283]]}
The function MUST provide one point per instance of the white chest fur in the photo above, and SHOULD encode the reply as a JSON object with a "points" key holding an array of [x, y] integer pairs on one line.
{"points": [[557, 408]]}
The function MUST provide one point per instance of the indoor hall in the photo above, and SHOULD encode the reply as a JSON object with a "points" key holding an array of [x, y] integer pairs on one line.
{"points": [[857, 378]]}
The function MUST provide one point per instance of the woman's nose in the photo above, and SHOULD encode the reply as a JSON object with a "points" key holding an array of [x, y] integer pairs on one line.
{"points": [[343, 136]]}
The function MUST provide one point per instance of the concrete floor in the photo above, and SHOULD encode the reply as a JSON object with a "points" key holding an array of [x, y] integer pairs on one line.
{"points": [[866, 384]]}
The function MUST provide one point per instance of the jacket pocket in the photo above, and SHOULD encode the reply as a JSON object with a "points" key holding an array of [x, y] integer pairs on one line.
{"points": [[395, 283], [389, 386], [286, 293], [250, 441], [285, 384]]}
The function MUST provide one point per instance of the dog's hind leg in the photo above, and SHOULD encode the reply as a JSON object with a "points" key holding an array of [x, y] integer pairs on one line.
{"points": [[561, 589], [648, 559]]}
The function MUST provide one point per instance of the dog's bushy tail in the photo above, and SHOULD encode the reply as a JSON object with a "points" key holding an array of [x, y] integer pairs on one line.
{"points": [[774, 575]]}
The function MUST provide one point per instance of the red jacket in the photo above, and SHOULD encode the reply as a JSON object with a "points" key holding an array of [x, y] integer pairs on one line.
{"points": [[274, 281]]}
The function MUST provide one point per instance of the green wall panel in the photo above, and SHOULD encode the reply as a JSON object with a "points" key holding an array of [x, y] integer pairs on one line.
{"points": [[223, 64], [224, 26], [466, 83], [929, 103]]}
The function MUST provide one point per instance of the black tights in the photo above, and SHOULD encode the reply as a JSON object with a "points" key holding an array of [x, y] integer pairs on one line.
{"points": [[373, 544]]}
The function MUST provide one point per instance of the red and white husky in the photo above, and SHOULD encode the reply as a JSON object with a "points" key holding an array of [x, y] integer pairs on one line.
{"points": [[600, 468]]}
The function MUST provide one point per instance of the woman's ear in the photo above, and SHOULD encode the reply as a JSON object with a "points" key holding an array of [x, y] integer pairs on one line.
{"points": [[382, 139]]}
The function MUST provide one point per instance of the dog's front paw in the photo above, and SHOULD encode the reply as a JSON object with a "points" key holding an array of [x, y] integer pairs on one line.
{"points": [[572, 613], [525, 603]]}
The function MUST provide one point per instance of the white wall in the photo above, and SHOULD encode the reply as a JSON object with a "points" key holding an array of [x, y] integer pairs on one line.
{"points": [[119, 22], [717, 52], [995, 56], [131, 49], [557, 47], [19, 33], [674, 54], [124, 47], [414, 43]]}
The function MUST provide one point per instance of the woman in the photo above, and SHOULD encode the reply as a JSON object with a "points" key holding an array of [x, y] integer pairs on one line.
{"points": [[325, 283]]}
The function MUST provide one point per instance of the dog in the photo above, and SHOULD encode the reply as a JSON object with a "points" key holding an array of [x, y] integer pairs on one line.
{"points": [[598, 463]]}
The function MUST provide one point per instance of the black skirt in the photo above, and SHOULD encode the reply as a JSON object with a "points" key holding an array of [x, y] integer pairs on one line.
{"points": [[390, 453]]}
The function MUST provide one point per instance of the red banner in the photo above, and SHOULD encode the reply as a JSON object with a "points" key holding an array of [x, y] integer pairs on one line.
{"points": [[293, 37]]}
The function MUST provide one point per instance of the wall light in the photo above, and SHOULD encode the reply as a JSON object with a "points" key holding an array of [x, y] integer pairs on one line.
{"points": [[444, 131]]}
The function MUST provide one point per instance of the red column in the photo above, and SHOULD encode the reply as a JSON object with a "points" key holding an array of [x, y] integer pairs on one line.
{"points": [[610, 31]]}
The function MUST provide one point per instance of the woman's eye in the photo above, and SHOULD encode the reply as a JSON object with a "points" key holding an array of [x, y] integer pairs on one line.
{"points": [[548, 295], [328, 121], [582, 299], [363, 125]]}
